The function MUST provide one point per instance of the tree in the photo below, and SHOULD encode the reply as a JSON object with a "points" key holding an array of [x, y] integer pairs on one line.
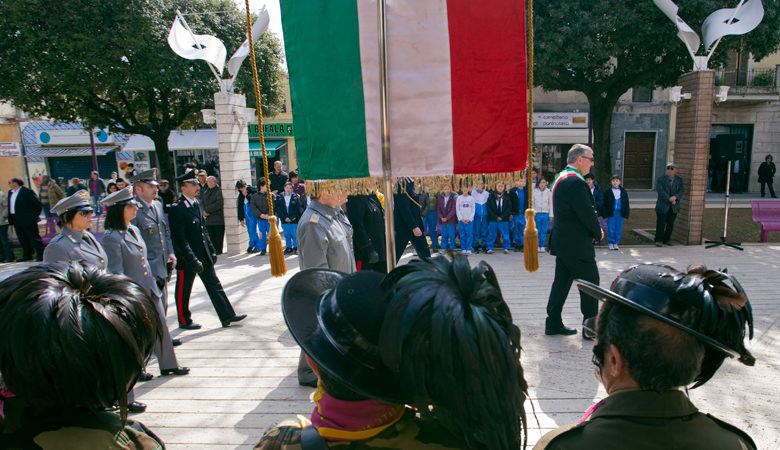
{"points": [[108, 64], [604, 48]]}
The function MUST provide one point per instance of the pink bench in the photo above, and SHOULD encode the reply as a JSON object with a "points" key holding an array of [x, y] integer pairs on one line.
{"points": [[767, 213]]}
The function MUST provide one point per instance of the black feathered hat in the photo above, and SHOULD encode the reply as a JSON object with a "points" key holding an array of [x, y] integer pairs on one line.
{"points": [[336, 319], [708, 304]]}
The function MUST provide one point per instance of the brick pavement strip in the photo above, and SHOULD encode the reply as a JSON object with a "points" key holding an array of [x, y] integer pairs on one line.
{"points": [[243, 377]]}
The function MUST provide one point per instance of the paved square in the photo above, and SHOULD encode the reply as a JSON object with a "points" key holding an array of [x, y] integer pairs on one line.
{"points": [[243, 377]]}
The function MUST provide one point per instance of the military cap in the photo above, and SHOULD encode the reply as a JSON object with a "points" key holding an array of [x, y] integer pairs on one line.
{"points": [[188, 177], [76, 202], [147, 176], [120, 197], [336, 319]]}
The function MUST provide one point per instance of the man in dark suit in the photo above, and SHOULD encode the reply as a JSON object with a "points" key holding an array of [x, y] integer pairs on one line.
{"points": [[576, 227], [408, 221], [367, 217], [24, 210], [195, 254], [670, 191]]}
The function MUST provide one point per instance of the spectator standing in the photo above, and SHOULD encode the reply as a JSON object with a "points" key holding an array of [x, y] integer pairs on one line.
{"points": [[367, 217], [519, 195], [446, 215], [24, 211], [130, 171], [299, 187], [277, 178], [543, 207], [111, 180], [111, 188], [259, 205], [464, 207], [287, 208], [428, 203], [75, 243], [670, 191], [75, 186], [616, 208], [7, 250], [121, 183], [213, 210], [480, 195], [166, 194], [245, 215], [598, 201], [408, 220], [49, 193], [97, 188], [766, 176], [499, 210]]}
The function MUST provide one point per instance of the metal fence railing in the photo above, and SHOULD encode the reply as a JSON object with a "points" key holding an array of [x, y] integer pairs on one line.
{"points": [[744, 77]]}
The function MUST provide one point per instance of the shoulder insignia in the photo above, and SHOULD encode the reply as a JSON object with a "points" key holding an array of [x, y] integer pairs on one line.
{"points": [[71, 239], [315, 218]]}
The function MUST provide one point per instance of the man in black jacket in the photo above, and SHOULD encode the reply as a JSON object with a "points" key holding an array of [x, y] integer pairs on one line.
{"points": [[408, 222], [367, 217], [24, 210], [670, 191], [195, 254], [576, 227]]}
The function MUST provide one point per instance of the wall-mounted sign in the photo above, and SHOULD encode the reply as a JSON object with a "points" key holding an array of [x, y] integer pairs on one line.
{"points": [[72, 137], [272, 130], [560, 120], [10, 149]]}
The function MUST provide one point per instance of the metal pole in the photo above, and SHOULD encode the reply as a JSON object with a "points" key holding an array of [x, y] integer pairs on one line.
{"points": [[94, 152], [726, 207], [387, 172]]}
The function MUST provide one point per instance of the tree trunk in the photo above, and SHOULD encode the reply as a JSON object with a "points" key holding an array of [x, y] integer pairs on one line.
{"points": [[602, 109], [164, 157]]}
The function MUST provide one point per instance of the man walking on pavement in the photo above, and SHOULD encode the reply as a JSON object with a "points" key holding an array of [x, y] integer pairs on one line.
{"points": [[576, 227], [670, 191], [195, 255], [325, 241]]}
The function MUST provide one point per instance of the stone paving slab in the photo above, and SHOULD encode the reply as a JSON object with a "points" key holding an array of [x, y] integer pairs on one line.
{"points": [[243, 377]]}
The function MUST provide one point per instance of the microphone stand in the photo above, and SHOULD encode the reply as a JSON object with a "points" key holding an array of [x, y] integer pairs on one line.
{"points": [[736, 245]]}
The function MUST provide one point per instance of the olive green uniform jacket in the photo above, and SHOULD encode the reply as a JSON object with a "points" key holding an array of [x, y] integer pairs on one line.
{"points": [[647, 420]]}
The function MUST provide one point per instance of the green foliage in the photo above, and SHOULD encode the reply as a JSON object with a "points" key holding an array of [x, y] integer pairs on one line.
{"points": [[604, 48], [107, 63]]}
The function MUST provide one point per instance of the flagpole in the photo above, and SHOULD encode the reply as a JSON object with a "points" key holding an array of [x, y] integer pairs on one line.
{"points": [[387, 172]]}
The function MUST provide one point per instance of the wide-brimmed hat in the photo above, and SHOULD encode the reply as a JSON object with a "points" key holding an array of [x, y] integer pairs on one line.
{"points": [[685, 301], [336, 319]]}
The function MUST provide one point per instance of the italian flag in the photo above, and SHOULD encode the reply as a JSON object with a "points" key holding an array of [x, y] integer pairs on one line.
{"points": [[456, 86]]}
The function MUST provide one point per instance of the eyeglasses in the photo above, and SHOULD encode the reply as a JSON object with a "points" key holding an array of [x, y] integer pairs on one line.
{"points": [[587, 157], [85, 212]]}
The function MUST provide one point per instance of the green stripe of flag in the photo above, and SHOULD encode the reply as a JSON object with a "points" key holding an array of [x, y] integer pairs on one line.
{"points": [[326, 84]]}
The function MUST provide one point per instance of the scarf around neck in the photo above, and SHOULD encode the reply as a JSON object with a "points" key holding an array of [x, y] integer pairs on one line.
{"points": [[341, 420]]}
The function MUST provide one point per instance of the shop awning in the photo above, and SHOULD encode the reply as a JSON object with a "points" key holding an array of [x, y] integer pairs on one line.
{"points": [[66, 151], [271, 147], [177, 140]]}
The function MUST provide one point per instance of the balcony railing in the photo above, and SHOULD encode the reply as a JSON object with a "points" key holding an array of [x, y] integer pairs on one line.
{"points": [[755, 78]]}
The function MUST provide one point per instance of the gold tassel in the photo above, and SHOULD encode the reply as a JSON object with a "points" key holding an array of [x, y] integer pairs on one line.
{"points": [[275, 253], [531, 242]]}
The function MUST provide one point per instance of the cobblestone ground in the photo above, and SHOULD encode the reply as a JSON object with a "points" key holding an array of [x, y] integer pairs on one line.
{"points": [[243, 377]]}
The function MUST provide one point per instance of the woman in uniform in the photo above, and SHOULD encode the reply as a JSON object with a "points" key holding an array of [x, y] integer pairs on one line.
{"points": [[127, 252], [75, 243]]}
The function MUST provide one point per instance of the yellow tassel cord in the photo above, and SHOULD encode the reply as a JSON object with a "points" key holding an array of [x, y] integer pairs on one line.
{"points": [[531, 238], [278, 266]]}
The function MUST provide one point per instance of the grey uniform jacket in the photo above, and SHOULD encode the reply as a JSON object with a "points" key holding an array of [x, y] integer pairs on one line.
{"points": [[325, 239], [71, 246], [666, 188], [127, 255], [150, 220]]}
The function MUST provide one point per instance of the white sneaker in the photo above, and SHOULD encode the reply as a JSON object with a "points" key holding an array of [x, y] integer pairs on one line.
{"points": [[610, 246], [506, 251], [541, 250], [615, 247]]}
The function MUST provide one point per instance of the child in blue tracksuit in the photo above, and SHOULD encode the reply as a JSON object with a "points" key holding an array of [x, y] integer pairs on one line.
{"points": [[445, 212], [464, 208], [259, 205], [480, 195], [616, 208], [543, 208], [520, 197], [428, 202], [245, 215]]}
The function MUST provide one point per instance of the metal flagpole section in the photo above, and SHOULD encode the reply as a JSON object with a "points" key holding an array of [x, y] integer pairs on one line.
{"points": [[387, 172]]}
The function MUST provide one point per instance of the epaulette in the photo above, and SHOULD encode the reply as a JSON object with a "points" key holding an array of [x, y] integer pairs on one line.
{"points": [[315, 218]]}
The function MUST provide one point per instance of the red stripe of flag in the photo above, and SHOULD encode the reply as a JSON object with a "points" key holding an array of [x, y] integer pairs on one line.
{"points": [[488, 73]]}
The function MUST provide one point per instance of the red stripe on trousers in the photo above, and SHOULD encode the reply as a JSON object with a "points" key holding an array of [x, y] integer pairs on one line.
{"points": [[488, 79], [180, 295]]}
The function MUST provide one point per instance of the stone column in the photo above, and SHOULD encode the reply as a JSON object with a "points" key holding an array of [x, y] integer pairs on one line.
{"points": [[692, 146], [232, 131]]}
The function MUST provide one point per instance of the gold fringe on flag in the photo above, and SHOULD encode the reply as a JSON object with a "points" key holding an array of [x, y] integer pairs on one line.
{"points": [[530, 236], [275, 253]]}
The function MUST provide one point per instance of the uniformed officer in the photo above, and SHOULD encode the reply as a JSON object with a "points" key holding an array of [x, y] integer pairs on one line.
{"points": [[659, 330], [195, 255], [150, 220], [128, 255], [75, 243]]}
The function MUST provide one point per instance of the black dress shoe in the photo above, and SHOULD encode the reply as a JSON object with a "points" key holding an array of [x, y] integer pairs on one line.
{"points": [[145, 376], [190, 326], [136, 407], [176, 342], [175, 371], [589, 328], [562, 330], [238, 318]]}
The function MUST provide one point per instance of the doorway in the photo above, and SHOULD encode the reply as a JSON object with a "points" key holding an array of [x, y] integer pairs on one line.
{"points": [[638, 160]]}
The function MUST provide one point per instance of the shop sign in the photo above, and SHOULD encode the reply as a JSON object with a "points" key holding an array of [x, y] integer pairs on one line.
{"points": [[560, 120], [10, 149], [258, 153], [71, 137], [272, 130]]}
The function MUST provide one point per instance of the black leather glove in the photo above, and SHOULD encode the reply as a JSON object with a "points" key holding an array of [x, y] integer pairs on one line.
{"points": [[373, 257], [195, 263]]}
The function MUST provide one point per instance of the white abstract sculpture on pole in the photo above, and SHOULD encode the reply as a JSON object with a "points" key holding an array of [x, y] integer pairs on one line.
{"points": [[723, 22]]}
